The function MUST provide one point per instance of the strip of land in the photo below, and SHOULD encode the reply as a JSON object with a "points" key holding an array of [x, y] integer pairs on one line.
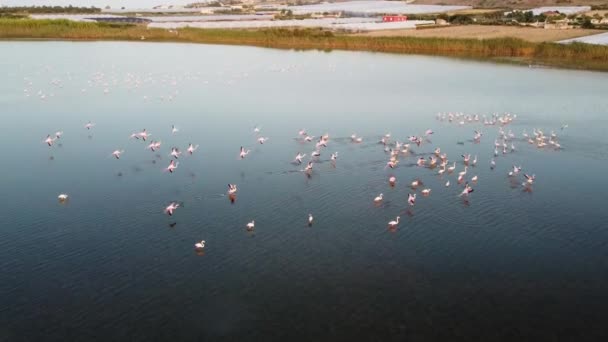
{"points": [[576, 55], [530, 34]]}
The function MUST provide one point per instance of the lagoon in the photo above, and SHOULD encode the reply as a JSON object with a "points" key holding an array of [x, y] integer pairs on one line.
{"points": [[109, 265]]}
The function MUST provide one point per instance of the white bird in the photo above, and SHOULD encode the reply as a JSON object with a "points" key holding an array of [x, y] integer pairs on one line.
{"points": [[515, 171], [49, 140], [315, 153], [58, 134], [474, 179], [378, 198], [492, 164], [393, 224], [174, 129], [154, 145], [62, 197], [172, 166], [415, 183], [192, 148], [452, 168], [392, 180], [475, 160], [355, 139], [428, 132], [426, 192], [308, 167], [466, 158], [175, 152], [299, 157], [232, 189], [462, 173], [243, 153], [262, 140], [411, 199], [89, 125], [530, 179], [310, 219], [467, 190], [117, 153], [256, 129], [171, 207], [143, 135], [334, 156], [251, 225], [302, 132], [308, 138], [199, 245], [447, 184]]}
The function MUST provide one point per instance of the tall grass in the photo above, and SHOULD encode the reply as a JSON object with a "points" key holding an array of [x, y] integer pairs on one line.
{"points": [[575, 55]]}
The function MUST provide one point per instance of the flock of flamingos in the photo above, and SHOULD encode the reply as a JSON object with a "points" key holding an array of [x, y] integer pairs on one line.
{"points": [[438, 162]]}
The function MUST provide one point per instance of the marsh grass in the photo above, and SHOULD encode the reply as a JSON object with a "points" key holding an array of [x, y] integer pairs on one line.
{"points": [[575, 55]]}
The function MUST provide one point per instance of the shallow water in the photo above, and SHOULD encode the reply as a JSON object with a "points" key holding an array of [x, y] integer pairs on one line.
{"points": [[109, 265]]}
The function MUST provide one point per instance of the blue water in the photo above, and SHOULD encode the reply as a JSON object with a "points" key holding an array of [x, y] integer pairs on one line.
{"points": [[110, 265]]}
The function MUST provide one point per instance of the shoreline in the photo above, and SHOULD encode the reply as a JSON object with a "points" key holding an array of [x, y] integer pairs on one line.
{"points": [[501, 50]]}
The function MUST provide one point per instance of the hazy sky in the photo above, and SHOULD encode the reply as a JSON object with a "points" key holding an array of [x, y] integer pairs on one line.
{"points": [[96, 3]]}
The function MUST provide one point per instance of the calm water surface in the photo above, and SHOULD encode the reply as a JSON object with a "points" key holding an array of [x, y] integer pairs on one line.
{"points": [[109, 265]]}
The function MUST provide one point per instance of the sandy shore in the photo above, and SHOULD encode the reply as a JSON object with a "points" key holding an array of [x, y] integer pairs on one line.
{"points": [[485, 32]]}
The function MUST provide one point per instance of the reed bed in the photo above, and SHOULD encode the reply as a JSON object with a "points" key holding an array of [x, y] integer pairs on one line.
{"points": [[575, 55]]}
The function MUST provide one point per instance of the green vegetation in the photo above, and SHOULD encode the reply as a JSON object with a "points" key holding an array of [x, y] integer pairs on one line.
{"points": [[48, 10], [575, 55]]}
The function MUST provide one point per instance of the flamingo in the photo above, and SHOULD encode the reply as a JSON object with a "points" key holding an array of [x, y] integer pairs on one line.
{"points": [[463, 173], [58, 134], [529, 179], [474, 179], [415, 183], [192, 148], [262, 140], [117, 153], [310, 219], [174, 129], [515, 171], [356, 139], [475, 161], [308, 138], [251, 225], [392, 180], [393, 224], [426, 192], [172, 166], [302, 132], [171, 207], [492, 164], [466, 158], [452, 168], [308, 167], [315, 153], [256, 129], [232, 189], [421, 161], [299, 157], [175, 152], [243, 153], [49, 140], [199, 245], [437, 151], [428, 132], [411, 199], [467, 190], [378, 198], [62, 197], [89, 125], [154, 145], [334, 156], [447, 184]]}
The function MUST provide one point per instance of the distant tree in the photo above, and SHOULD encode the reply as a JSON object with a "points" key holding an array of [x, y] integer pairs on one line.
{"points": [[587, 24]]}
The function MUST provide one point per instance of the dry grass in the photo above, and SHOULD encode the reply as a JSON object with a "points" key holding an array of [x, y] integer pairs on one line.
{"points": [[576, 55], [512, 3], [530, 34]]}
